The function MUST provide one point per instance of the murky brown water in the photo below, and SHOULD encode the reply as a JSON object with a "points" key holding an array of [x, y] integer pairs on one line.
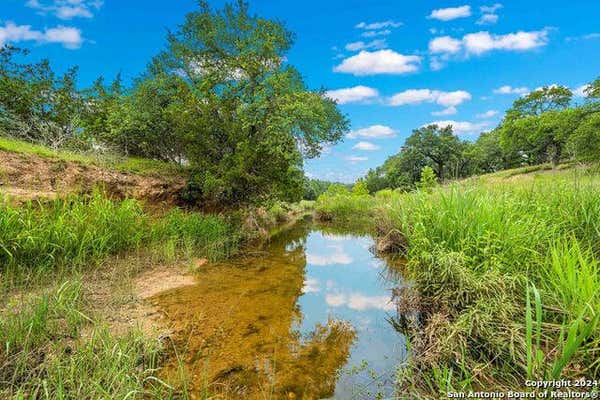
{"points": [[306, 317]]}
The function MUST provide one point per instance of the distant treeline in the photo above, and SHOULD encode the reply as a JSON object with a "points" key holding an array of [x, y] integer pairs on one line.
{"points": [[220, 99], [541, 127]]}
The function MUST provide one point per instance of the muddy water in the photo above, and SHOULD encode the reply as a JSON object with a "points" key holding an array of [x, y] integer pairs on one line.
{"points": [[305, 316]]}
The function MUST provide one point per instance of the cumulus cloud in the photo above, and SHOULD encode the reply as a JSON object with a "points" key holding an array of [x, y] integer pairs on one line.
{"points": [[69, 37], [67, 9], [487, 114], [416, 96], [448, 14], [507, 89], [360, 45], [482, 42], [489, 15], [461, 126], [378, 25], [444, 44], [352, 95], [379, 62], [371, 132], [487, 19], [337, 257], [366, 146]]}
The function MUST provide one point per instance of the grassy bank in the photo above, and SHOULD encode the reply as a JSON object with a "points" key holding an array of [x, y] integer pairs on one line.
{"points": [[68, 235], [507, 273], [54, 342], [141, 166]]}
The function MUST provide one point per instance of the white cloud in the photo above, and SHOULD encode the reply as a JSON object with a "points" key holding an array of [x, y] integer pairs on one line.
{"points": [[489, 16], [507, 89], [579, 91], [362, 302], [482, 42], [447, 14], [487, 19], [445, 44], [338, 257], [487, 114], [335, 300], [374, 131], [356, 159], [311, 285], [490, 9], [370, 34], [359, 302], [445, 111], [379, 62], [67, 9], [366, 146], [416, 96], [461, 126], [436, 63], [352, 95], [360, 45], [69, 37], [378, 25]]}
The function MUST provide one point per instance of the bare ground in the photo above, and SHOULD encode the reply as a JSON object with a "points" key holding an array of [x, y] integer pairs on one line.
{"points": [[31, 177], [119, 292]]}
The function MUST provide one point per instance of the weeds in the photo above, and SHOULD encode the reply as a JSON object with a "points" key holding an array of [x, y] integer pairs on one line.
{"points": [[41, 239], [43, 357], [508, 274]]}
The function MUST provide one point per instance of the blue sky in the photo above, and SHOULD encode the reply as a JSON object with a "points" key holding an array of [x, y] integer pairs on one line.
{"points": [[403, 63]]}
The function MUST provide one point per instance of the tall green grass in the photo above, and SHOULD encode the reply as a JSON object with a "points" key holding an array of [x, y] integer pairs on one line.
{"points": [[508, 274], [41, 239]]}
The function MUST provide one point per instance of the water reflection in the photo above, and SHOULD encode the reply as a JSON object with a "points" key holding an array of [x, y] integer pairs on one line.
{"points": [[306, 316]]}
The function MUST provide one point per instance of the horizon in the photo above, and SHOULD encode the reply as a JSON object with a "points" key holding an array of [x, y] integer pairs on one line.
{"points": [[392, 67]]}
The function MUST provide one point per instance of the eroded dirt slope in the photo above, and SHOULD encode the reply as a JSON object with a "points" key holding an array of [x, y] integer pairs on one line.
{"points": [[27, 176]]}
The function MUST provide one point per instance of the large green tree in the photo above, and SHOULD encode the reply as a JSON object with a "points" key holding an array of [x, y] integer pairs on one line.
{"points": [[243, 117], [538, 125]]}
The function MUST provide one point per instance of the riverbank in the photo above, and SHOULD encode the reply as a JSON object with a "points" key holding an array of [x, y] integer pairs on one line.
{"points": [[76, 275], [505, 271]]}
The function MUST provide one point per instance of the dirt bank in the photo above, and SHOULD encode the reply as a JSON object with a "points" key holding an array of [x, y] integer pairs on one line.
{"points": [[30, 177]]}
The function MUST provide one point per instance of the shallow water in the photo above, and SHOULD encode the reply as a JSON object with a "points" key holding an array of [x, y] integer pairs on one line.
{"points": [[305, 316]]}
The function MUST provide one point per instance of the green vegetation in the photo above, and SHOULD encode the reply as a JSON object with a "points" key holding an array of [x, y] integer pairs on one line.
{"points": [[67, 235], [541, 127], [141, 166], [507, 271], [42, 356], [220, 99]]}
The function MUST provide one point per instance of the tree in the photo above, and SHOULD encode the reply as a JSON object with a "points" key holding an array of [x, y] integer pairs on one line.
{"points": [[37, 106], [592, 91], [538, 125], [548, 98], [247, 119], [435, 146], [360, 188]]}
